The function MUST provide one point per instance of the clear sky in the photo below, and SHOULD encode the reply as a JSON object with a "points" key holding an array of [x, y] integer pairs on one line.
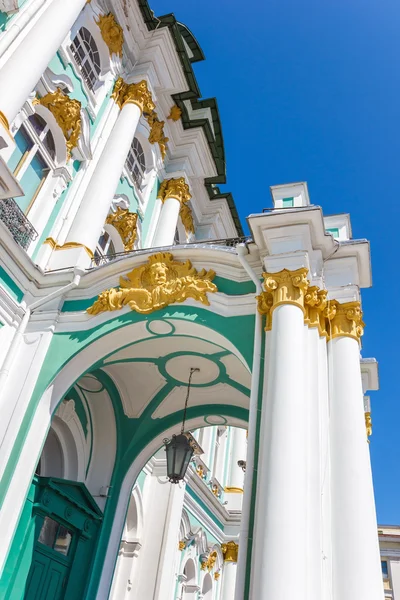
{"points": [[310, 90]]}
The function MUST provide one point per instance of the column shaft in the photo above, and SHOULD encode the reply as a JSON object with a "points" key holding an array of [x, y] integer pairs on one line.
{"points": [[167, 223], [96, 203], [281, 505], [356, 558], [228, 581], [21, 72]]}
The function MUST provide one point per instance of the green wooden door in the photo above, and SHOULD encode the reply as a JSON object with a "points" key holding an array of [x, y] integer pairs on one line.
{"points": [[51, 563]]}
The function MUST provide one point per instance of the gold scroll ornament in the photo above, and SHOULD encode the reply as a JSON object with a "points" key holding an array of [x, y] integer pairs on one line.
{"points": [[125, 223], [175, 113], [368, 424], [210, 561], [112, 33], [67, 113], [157, 135], [159, 283]]}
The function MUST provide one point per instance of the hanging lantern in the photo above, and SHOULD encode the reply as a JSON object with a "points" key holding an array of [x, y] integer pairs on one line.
{"points": [[179, 452], [180, 448]]}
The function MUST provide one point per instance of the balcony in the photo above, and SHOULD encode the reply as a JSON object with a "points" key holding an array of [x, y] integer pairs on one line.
{"points": [[102, 259], [16, 222]]}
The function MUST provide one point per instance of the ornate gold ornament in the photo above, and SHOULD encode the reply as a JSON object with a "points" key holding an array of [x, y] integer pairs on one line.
{"points": [[217, 575], [112, 33], [157, 284], [175, 113], [133, 93], [67, 113], [215, 490], [315, 302], [157, 133], [125, 223], [186, 216], [181, 545], [230, 551], [174, 188], [210, 561], [200, 471], [264, 304], [67, 246], [347, 320], [368, 424]]}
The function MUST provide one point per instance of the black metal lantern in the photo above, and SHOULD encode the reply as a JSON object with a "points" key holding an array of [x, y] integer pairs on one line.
{"points": [[180, 448]]}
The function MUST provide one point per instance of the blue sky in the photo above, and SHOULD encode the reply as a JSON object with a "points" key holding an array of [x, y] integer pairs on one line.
{"points": [[310, 90]]}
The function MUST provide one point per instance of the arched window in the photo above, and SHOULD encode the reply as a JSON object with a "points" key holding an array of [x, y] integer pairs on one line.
{"points": [[135, 162], [87, 56], [32, 159]]}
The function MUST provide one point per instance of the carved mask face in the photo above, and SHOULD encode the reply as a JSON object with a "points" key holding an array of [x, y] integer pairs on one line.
{"points": [[158, 274]]}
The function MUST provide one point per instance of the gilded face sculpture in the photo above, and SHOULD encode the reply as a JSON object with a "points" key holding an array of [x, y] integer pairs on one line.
{"points": [[158, 274]]}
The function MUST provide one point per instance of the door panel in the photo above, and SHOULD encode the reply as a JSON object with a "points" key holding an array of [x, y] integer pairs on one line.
{"points": [[36, 577]]}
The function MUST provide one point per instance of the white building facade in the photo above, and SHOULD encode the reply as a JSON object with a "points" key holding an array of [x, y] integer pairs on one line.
{"points": [[123, 267]]}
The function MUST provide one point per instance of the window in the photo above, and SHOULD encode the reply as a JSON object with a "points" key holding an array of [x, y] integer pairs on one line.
{"points": [[105, 248], [55, 536], [87, 56], [385, 571], [135, 162], [287, 202], [34, 153], [334, 231]]}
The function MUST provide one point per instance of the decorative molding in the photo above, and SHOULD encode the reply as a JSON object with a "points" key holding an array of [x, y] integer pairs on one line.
{"points": [[233, 490], [4, 121], [175, 113], [112, 33], [209, 561], [67, 246], [67, 113], [157, 284], [346, 320], [125, 223], [174, 188], [230, 551], [133, 93]]}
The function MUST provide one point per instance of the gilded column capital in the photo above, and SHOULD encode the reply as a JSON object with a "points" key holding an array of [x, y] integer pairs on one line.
{"points": [[67, 113], [230, 551], [315, 303], [125, 223], [287, 287], [264, 304], [174, 188], [112, 33], [133, 93], [347, 320], [186, 216]]}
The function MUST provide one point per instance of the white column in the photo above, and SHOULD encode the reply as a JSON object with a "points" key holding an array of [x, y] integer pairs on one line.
{"points": [[172, 192], [235, 479], [228, 581], [162, 516], [282, 491], [21, 72], [356, 557], [89, 220]]}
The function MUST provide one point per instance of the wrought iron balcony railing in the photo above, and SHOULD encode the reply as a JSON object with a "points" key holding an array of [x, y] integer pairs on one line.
{"points": [[16, 222], [102, 259]]}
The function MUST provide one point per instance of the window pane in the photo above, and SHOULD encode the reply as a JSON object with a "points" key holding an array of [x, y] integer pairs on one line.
{"points": [[63, 540], [37, 123], [48, 532], [48, 142], [385, 571]]}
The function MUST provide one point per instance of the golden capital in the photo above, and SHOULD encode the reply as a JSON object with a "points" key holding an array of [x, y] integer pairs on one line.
{"points": [[347, 320], [368, 424], [230, 551], [174, 188], [133, 93], [264, 304], [287, 287], [315, 303], [125, 223], [112, 33], [67, 113]]}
